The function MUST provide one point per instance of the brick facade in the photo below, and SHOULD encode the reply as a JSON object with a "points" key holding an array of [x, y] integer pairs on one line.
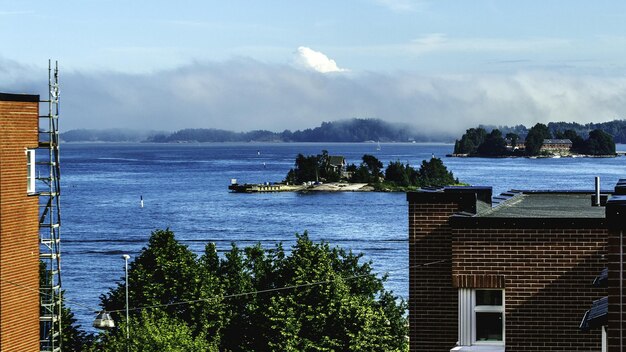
{"points": [[546, 275], [545, 266], [19, 226], [432, 298]]}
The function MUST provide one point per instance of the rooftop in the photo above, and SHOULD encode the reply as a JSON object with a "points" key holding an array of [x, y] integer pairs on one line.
{"points": [[535, 204], [557, 141], [336, 160], [19, 97]]}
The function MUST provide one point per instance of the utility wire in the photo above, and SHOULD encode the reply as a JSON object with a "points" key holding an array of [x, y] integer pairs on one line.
{"points": [[242, 294], [45, 293], [269, 290]]}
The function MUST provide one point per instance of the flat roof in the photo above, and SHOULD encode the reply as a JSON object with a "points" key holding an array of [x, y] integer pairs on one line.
{"points": [[525, 204], [19, 97]]}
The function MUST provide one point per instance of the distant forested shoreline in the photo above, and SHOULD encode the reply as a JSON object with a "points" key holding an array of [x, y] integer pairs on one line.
{"points": [[343, 131]]}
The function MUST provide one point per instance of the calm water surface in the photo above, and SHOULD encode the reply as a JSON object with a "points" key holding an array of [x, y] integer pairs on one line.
{"points": [[184, 187]]}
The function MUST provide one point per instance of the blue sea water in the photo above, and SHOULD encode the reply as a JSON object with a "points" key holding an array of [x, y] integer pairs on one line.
{"points": [[184, 187]]}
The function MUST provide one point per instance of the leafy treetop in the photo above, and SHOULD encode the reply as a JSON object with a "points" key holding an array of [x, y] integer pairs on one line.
{"points": [[335, 303]]}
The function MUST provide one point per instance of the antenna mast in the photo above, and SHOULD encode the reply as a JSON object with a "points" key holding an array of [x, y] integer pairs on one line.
{"points": [[48, 173]]}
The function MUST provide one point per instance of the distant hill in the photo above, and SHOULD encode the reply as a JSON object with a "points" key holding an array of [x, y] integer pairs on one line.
{"points": [[353, 130], [107, 135], [356, 130]]}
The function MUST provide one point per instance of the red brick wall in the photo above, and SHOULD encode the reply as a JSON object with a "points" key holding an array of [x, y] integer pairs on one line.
{"points": [[19, 249], [432, 299], [547, 275]]}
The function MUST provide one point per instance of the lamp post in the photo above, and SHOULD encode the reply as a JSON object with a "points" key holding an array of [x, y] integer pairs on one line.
{"points": [[126, 257]]}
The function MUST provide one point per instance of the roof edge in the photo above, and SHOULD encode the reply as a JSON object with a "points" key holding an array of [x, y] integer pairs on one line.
{"points": [[30, 98], [460, 221]]}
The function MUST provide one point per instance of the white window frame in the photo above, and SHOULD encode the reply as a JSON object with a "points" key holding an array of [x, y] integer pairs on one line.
{"points": [[30, 173], [467, 318], [487, 309]]}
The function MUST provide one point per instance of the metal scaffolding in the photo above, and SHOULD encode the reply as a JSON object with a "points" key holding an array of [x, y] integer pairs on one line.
{"points": [[49, 188]]}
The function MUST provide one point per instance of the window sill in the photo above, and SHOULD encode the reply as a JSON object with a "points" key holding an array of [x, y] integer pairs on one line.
{"points": [[478, 348]]}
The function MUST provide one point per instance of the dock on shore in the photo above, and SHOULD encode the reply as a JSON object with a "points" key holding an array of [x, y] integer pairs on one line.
{"points": [[263, 187], [313, 187]]}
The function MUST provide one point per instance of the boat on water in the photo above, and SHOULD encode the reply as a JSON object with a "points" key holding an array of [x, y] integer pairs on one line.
{"points": [[263, 187]]}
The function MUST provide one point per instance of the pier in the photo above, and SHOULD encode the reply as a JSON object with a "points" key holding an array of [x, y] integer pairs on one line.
{"points": [[263, 187]]}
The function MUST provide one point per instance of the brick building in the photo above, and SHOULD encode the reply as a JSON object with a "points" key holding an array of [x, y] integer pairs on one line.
{"points": [[19, 225], [556, 146], [512, 272]]}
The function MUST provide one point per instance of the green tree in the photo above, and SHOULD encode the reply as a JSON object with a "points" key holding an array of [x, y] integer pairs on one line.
{"points": [[535, 137], [369, 171], [398, 174], [312, 168], [435, 173], [316, 298], [600, 143], [164, 272], [374, 166], [432, 173], [73, 338], [240, 332], [493, 145], [343, 314], [210, 308], [470, 141], [360, 175], [153, 331], [305, 170]]}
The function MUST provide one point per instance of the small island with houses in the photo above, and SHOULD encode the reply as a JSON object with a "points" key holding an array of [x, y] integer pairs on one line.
{"points": [[538, 142], [331, 173]]}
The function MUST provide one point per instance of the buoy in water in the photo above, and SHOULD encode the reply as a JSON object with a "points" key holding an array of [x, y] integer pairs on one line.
{"points": [[141, 200]]}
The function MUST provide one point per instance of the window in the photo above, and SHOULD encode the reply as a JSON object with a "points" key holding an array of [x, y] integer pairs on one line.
{"points": [[481, 318], [30, 173], [488, 316]]}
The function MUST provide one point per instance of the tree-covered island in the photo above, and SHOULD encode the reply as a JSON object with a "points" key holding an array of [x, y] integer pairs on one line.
{"points": [[539, 141], [397, 176]]}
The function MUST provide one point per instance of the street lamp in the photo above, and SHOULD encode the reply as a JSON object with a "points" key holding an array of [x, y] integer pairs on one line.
{"points": [[103, 321], [126, 257]]}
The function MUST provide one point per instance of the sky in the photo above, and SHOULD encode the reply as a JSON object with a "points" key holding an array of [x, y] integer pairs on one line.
{"points": [[441, 65]]}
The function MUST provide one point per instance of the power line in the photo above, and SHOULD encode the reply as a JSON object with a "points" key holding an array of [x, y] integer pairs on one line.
{"points": [[44, 293], [242, 294], [269, 290]]}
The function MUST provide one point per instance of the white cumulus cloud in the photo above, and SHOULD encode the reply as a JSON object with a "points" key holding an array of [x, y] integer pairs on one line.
{"points": [[311, 59]]}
